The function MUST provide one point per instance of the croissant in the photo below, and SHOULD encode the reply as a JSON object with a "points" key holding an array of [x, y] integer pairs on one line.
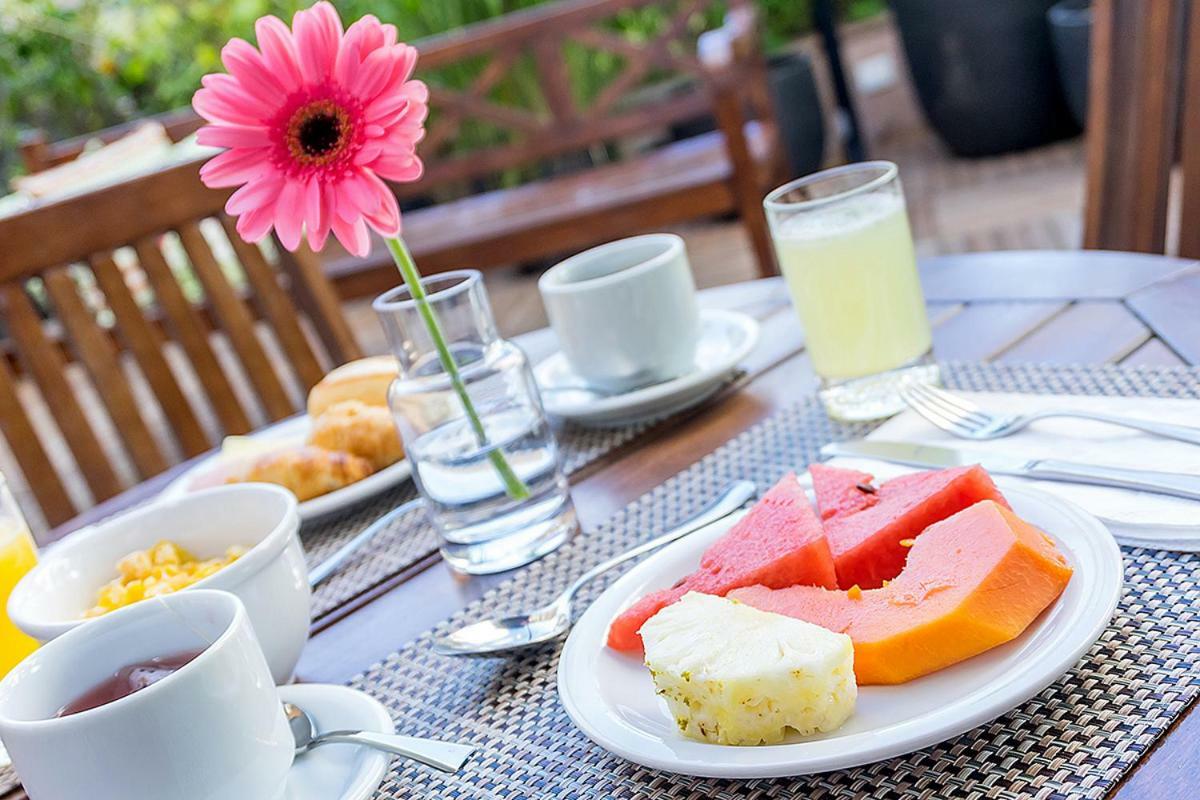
{"points": [[363, 430], [307, 471]]}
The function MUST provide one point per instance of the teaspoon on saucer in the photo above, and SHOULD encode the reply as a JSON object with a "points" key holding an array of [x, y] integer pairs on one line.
{"points": [[551, 621], [446, 756]]}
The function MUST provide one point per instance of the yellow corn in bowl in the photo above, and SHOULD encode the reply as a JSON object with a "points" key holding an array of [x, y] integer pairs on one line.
{"points": [[162, 569]]}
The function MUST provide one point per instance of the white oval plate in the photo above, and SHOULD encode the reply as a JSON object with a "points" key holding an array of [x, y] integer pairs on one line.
{"points": [[341, 772], [611, 698], [725, 339], [294, 431]]}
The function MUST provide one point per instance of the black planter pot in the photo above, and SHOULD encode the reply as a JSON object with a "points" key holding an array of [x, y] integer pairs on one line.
{"points": [[797, 110], [1070, 31], [984, 72]]}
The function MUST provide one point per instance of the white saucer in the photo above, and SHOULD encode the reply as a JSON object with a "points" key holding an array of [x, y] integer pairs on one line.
{"points": [[725, 339], [4, 759], [611, 698], [337, 771], [294, 431]]}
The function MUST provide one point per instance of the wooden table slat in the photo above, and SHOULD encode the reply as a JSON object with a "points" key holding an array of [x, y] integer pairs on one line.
{"points": [[1089, 332]]}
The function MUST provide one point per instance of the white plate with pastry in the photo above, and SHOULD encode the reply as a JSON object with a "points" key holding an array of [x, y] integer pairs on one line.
{"points": [[345, 450]]}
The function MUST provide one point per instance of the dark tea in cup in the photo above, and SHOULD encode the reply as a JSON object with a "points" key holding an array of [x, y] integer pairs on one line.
{"points": [[128, 680]]}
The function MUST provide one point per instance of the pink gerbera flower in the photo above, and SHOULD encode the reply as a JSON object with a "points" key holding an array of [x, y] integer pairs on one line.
{"points": [[314, 121]]}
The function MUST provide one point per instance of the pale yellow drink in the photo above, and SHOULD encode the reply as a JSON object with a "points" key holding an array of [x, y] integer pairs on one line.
{"points": [[17, 556], [852, 274]]}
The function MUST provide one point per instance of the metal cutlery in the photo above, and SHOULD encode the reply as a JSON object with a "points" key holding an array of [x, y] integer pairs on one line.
{"points": [[331, 565], [1175, 484], [553, 620], [446, 756], [963, 418]]}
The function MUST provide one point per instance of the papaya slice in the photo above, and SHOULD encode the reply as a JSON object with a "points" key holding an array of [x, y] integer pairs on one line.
{"points": [[972, 582], [865, 533], [778, 543]]}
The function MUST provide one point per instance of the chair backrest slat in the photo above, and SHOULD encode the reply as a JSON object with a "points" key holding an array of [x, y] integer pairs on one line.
{"points": [[144, 341], [102, 361], [45, 363], [31, 455], [278, 308], [236, 321], [192, 334], [1189, 211], [314, 292], [1133, 111]]}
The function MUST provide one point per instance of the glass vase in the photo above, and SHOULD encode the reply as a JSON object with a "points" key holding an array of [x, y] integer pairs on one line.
{"points": [[491, 481]]}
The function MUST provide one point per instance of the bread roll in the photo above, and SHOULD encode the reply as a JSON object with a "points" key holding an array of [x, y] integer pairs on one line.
{"points": [[366, 380]]}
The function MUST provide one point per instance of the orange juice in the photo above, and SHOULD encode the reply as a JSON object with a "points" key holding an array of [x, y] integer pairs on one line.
{"points": [[17, 556]]}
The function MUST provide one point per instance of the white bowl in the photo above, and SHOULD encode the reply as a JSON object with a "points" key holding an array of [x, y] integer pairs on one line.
{"points": [[271, 579]]}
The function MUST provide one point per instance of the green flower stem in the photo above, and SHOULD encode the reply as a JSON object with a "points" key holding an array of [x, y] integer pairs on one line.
{"points": [[513, 485]]}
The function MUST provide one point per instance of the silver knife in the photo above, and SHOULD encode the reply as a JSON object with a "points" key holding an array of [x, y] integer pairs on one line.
{"points": [[1176, 484]]}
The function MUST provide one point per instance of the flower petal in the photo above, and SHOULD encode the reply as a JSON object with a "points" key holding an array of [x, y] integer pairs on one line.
{"points": [[247, 66], [233, 136], [216, 105], [257, 194], [402, 169], [373, 76], [254, 226], [387, 219], [353, 236], [235, 167], [316, 217], [289, 214], [279, 51], [318, 34]]}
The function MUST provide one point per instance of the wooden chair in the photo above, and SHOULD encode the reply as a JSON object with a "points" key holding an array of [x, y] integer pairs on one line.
{"points": [[523, 67], [147, 287], [1143, 148], [519, 115]]}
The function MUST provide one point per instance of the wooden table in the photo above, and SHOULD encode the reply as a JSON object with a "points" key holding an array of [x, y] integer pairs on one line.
{"points": [[1055, 307]]}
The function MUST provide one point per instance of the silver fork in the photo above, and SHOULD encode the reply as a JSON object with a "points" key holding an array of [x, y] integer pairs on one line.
{"points": [[962, 418]]}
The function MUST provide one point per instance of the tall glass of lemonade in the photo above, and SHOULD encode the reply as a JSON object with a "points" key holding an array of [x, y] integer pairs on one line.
{"points": [[846, 253], [17, 556]]}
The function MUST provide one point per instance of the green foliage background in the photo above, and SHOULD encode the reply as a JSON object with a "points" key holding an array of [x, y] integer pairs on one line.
{"points": [[73, 66]]}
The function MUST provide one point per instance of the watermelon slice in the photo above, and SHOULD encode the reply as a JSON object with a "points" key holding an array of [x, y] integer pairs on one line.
{"points": [[865, 536], [840, 492], [778, 543], [973, 581]]}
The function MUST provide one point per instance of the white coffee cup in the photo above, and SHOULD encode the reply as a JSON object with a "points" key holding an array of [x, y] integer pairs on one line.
{"points": [[625, 312], [212, 730]]}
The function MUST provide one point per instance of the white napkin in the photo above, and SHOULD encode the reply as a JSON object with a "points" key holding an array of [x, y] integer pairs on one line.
{"points": [[1141, 518]]}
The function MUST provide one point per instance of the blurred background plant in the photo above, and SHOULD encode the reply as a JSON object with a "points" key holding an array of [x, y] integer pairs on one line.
{"points": [[73, 66]]}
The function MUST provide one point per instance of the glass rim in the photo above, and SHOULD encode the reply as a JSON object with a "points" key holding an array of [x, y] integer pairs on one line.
{"points": [[399, 298], [889, 172]]}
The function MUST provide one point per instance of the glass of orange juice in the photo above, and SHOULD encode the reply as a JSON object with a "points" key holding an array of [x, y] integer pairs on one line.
{"points": [[18, 554]]}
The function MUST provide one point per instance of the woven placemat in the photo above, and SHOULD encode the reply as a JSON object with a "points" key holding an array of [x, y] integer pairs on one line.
{"points": [[1075, 739], [410, 538]]}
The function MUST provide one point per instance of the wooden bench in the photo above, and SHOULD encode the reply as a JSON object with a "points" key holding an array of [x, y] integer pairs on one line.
{"points": [[506, 102]]}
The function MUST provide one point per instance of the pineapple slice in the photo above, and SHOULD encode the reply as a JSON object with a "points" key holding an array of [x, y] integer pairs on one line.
{"points": [[732, 674]]}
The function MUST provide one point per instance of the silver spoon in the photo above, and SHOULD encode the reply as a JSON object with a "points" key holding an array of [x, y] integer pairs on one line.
{"points": [[446, 756], [553, 620]]}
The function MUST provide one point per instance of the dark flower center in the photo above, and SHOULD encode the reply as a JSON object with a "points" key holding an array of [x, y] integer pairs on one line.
{"points": [[318, 132]]}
